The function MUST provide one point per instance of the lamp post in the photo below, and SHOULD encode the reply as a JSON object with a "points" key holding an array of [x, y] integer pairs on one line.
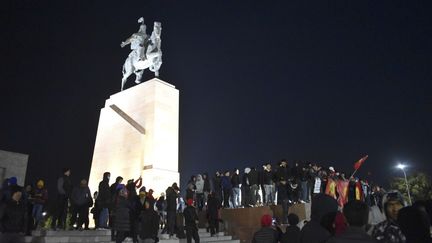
{"points": [[402, 167]]}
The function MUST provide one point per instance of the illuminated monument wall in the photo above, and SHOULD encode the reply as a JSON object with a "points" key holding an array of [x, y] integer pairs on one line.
{"points": [[138, 135]]}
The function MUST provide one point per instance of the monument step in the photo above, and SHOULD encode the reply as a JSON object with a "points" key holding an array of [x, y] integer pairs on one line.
{"points": [[67, 239], [103, 232]]}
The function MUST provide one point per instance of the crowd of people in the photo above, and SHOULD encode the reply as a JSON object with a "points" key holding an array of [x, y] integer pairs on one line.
{"points": [[342, 210]]}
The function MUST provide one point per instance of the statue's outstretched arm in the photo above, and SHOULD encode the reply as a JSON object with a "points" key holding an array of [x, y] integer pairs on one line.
{"points": [[126, 42]]}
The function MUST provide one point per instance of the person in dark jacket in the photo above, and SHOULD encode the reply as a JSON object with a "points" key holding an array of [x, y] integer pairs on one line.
{"points": [[246, 188], [104, 200], [283, 200], [149, 220], [323, 212], [13, 219], [414, 224], [191, 221], [217, 187], [269, 186], [40, 197], [235, 182], [357, 214], [122, 224], [292, 232], [213, 206], [81, 200], [254, 186], [207, 187], [266, 234], [226, 188], [171, 201], [64, 190]]}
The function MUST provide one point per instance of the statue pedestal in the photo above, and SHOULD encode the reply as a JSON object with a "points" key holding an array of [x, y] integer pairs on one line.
{"points": [[138, 135]]}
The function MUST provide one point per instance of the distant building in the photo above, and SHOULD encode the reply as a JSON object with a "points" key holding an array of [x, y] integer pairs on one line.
{"points": [[13, 164]]}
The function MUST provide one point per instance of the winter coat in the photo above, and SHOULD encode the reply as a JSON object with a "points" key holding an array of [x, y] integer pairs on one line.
{"points": [[281, 173], [81, 196], [13, 217], [122, 220], [199, 184], [171, 200], [40, 196], [253, 177], [207, 187], [64, 186], [217, 187], [104, 197], [213, 207], [190, 216], [226, 183], [353, 235], [265, 235], [149, 224], [313, 232], [267, 177], [235, 180], [291, 235]]}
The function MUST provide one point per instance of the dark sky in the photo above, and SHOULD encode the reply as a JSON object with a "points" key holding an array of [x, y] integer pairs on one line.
{"points": [[317, 81]]}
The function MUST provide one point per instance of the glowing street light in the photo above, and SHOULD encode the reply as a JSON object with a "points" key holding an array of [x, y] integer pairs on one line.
{"points": [[402, 167]]}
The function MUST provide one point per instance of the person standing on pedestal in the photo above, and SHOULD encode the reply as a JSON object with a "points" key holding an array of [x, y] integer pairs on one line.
{"points": [[235, 181], [64, 190], [226, 188]]}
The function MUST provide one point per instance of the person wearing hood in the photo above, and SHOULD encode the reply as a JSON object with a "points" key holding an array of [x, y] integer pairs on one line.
{"points": [[199, 192], [323, 213], [246, 188], [414, 224], [226, 188], [104, 200], [388, 231], [356, 213]]}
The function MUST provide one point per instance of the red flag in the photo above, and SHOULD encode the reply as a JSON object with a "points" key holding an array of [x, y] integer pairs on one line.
{"points": [[360, 162]]}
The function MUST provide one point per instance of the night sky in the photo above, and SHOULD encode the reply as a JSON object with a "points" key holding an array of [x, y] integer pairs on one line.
{"points": [[316, 81]]}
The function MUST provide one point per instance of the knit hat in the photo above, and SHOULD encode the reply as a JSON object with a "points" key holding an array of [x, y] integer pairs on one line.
{"points": [[190, 202], [13, 180], [266, 220], [393, 195]]}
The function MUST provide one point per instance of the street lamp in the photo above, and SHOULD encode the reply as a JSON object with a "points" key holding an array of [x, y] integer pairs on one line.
{"points": [[402, 167]]}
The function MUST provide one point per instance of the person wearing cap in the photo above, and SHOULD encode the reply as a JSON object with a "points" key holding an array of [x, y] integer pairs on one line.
{"points": [[388, 231], [64, 190], [40, 197], [191, 221], [267, 234]]}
